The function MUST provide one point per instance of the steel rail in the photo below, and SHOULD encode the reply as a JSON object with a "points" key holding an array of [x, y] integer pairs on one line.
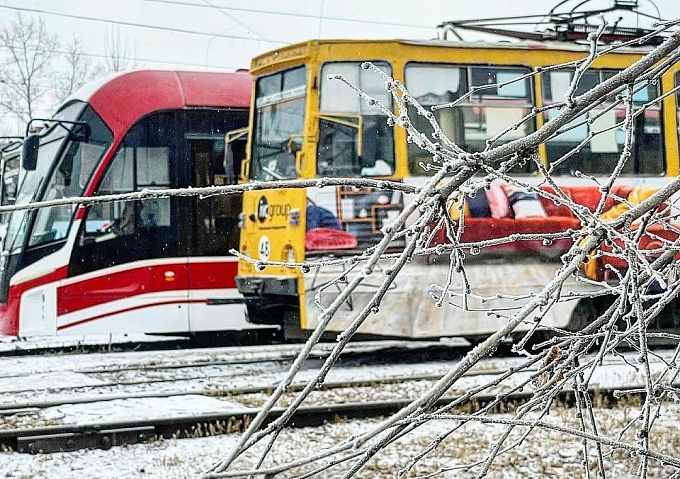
{"points": [[349, 359], [50, 439], [231, 392]]}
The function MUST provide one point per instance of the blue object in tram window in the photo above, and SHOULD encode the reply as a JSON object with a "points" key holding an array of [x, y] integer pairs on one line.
{"points": [[478, 205], [318, 217]]}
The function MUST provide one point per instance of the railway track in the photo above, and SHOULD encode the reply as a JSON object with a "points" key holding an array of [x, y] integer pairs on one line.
{"points": [[17, 347], [104, 435], [69, 377], [89, 417]]}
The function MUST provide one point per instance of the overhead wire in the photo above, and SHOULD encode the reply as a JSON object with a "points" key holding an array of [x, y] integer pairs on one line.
{"points": [[207, 5], [233, 19], [144, 60], [296, 14], [140, 25]]}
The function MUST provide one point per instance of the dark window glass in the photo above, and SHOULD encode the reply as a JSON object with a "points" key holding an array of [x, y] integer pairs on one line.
{"points": [[214, 218], [124, 231], [214, 122], [213, 125], [572, 150]]}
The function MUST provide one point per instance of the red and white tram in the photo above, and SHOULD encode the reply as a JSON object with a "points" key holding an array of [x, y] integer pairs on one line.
{"points": [[153, 266]]}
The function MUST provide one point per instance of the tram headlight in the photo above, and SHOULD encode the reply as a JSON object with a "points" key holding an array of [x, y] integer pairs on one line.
{"points": [[290, 254], [241, 220]]}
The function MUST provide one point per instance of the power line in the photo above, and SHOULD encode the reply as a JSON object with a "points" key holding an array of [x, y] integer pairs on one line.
{"points": [[200, 33], [297, 15], [140, 25], [140, 60], [233, 18]]}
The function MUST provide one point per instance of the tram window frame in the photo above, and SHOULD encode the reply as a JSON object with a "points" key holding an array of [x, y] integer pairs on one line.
{"points": [[598, 156], [274, 95], [136, 164], [342, 115], [212, 220], [69, 178], [470, 113]]}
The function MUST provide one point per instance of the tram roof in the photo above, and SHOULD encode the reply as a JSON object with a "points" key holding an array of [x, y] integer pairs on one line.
{"points": [[125, 97], [521, 45], [305, 49]]}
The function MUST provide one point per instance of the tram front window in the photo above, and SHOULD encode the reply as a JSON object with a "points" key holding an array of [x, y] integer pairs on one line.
{"points": [[279, 123], [69, 179], [51, 144]]}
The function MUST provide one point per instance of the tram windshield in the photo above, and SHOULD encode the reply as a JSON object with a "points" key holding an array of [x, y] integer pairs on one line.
{"points": [[64, 166], [279, 121]]}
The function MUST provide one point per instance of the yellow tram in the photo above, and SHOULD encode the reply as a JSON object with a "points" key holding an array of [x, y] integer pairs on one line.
{"points": [[304, 125]]}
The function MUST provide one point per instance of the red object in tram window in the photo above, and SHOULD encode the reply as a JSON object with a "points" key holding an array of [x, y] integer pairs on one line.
{"points": [[329, 239]]}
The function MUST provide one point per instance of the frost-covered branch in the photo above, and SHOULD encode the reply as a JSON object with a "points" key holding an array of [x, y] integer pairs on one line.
{"points": [[631, 297]]}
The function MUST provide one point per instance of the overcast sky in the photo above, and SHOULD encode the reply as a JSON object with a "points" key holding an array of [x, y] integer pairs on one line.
{"points": [[226, 34]]}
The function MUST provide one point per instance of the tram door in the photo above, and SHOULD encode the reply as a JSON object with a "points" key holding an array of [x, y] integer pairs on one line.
{"points": [[128, 271], [214, 302]]}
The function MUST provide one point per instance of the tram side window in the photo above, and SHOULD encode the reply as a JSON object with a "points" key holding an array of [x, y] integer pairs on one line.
{"points": [[216, 149], [215, 217], [501, 99], [343, 116], [571, 150], [141, 162], [430, 85], [69, 179], [224, 131]]}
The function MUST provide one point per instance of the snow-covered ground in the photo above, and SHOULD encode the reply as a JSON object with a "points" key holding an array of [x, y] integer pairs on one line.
{"points": [[166, 384], [543, 454]]}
